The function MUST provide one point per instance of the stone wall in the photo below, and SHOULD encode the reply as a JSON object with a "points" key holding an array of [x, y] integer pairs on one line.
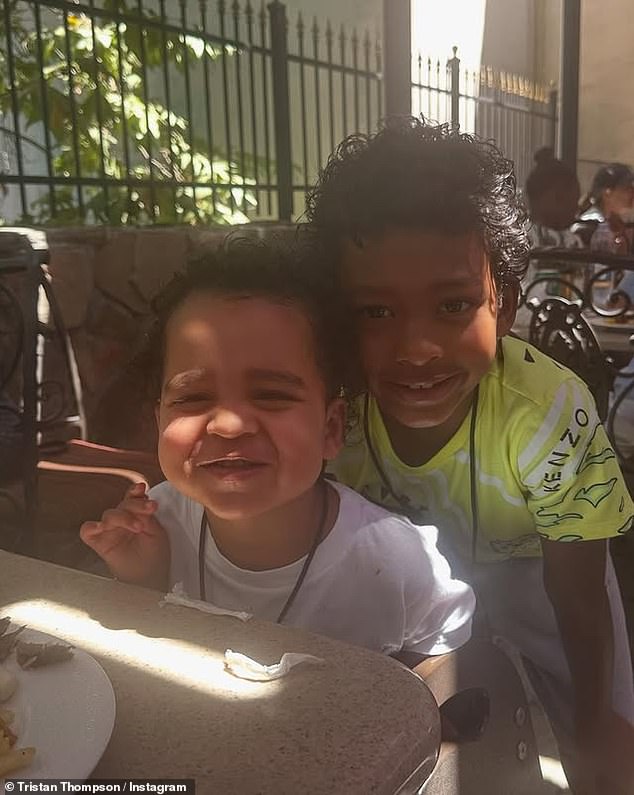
{"points": [[103, 280]]}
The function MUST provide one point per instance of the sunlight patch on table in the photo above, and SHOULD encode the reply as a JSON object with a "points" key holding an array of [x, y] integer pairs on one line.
{"points": [[176, 661]]}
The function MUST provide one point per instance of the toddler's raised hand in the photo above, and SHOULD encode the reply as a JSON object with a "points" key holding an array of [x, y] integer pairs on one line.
{"points": [[131, 541]]}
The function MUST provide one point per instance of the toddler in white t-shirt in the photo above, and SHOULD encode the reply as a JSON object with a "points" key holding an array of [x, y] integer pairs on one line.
{"points": [[250, 355]]}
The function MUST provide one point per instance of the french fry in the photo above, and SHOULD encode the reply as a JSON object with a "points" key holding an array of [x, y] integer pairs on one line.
{"points": [[16, 759]]}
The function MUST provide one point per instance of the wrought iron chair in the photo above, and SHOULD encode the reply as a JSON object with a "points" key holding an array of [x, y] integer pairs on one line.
{"points": [[558, 328], [40, 405], [597, 291], [503, 755]]}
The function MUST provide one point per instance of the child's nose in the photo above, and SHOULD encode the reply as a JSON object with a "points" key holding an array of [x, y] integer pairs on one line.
{"points": [[230, 422], [416, 346]]}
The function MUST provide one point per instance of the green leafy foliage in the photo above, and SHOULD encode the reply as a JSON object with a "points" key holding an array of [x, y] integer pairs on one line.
{"points": [[91, 95]]}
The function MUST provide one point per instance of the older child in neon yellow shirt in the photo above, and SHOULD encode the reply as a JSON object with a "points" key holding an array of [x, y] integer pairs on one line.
{"points": [[494, 442]]}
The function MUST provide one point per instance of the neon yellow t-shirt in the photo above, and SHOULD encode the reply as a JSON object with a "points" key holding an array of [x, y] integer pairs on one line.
{"points": [[544, 465]]}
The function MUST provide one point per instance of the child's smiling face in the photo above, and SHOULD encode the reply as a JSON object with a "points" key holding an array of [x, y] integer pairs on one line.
{"points": [[244, 420], [428, 321]]}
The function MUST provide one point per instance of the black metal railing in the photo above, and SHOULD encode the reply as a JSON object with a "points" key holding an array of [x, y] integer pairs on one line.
{"points": [[576, 303], [336, 89], [40, 404], [167, 111], [519, 114]]}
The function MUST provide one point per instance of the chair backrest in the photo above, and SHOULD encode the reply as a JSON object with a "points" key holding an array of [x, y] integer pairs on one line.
{"points": [[11, 335], [505, 758], [585, 228], [558, 329]]}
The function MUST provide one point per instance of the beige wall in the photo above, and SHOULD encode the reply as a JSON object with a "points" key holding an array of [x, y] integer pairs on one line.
{"points": [[547, 41], [525, 36], [509, 35], [606, 100]]}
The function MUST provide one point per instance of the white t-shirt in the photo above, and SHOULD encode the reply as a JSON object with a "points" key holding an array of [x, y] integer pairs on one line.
{"points": [[376, 580]]}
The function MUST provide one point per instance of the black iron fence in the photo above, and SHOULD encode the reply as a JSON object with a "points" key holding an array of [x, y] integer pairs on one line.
{"points": [[519, 114], [186, 111], [164, 111], [336, 88]]}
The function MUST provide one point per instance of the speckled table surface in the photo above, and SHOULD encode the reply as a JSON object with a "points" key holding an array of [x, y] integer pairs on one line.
{"points": [[359, 723]]}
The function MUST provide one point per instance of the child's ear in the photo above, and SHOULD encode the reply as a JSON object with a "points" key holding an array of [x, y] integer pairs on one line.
{"points": [[507, 298], [335, 428]]}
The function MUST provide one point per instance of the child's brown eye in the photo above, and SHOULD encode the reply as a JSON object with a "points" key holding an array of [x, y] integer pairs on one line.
{"points": [[456, 307], [376, 312], [274, 395]]}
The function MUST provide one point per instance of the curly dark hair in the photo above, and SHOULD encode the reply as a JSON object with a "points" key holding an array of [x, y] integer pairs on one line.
{"points": [[416, 175], [285, 272]]}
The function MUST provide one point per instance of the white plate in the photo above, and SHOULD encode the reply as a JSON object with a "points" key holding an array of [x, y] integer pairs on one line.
{"points": [[66, 711]]}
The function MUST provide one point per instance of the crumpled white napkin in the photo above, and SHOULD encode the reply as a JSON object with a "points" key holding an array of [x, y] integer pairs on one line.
{"points": [[245, 668], [177, 596]]}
